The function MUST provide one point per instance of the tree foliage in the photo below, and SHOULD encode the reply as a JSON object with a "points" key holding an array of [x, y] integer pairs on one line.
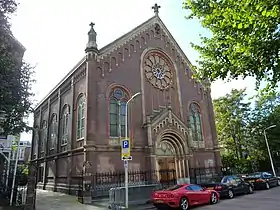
{"points": [[15, 76], [241, 122], [232, 116], [245, 38]]}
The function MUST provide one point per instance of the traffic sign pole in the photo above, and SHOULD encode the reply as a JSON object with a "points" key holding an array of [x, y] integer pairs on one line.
{"points": [[126, 165], [128, 157]]}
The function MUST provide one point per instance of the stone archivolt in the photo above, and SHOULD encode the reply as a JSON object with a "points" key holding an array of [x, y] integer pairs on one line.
{"points": [[167, 120]]}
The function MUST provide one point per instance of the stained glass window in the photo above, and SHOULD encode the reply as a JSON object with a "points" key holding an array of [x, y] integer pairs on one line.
{"points": [[81, 118], [195, 122], [117, 112], [43, 137], [53, 133], [64, 122], [113, 117]]}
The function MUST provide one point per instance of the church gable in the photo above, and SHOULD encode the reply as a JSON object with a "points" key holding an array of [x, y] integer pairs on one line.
{"points": [[114, 54]]}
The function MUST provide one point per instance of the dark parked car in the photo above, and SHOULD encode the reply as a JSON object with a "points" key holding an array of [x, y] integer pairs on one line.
{"points": [[263, 180], [229, 186]]}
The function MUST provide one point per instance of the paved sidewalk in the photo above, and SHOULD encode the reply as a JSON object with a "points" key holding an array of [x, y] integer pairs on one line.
{"points": [[47, 200]]}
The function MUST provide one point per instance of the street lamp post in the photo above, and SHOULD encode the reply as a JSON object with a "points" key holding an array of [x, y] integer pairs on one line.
{"points": [[268, 149], [126, 137]]}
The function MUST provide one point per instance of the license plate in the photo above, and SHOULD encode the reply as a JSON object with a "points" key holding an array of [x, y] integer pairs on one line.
{"points": [[251, 181], [210, 188], [158, 201]]}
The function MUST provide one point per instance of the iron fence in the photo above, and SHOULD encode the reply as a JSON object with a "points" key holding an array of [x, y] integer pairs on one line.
{"points": [[200, 175], [103, 182], [19, 191]]}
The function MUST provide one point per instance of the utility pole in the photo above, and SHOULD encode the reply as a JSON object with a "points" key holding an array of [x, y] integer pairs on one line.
{"points": [[15, 170], [126, 137], [268, 149]]}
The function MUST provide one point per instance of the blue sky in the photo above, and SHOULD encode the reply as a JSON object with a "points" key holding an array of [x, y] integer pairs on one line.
{"points": [[55, 34]]}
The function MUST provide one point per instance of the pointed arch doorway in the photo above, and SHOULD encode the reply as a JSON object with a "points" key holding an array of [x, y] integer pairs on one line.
{"points": [[166, 162], [171, 157]]}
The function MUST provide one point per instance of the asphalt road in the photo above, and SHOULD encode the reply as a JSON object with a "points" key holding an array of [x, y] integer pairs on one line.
{"points": [[260, 200]]}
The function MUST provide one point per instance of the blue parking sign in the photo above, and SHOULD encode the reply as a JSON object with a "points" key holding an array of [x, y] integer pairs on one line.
{"points": [[125, 144]]}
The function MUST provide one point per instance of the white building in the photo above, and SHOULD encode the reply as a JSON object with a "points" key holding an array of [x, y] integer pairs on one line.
{"points": [[24, 152]]}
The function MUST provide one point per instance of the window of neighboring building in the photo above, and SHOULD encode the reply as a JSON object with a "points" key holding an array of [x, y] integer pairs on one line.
{"points": [[21, 154], [64, 122], [117, 115], [195, 122], [43, 138], [53, 131], [81, 117]]}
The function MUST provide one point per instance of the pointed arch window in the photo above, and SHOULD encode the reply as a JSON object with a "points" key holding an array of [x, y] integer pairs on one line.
{"points": [[43, 136], [117, 115], [53, 131], [35, 141], [81, 104], [195, 122], [64, 125]]}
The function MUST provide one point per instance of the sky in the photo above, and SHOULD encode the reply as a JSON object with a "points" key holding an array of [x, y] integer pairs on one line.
{"points": [[54, 32]]}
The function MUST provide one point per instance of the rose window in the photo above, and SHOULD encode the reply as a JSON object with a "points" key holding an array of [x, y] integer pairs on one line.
{"points": [[158, 70]]}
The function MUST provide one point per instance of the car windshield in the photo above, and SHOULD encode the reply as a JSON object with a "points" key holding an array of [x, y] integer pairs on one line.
{"points": [[255, 175], [175, 187], [226, 179]]}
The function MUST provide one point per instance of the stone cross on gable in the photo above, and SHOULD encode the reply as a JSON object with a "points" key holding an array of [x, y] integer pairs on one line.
{"points": [[155, 8], [91, 24]]}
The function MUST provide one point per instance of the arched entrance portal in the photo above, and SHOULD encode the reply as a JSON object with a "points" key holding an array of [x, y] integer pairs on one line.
{"points": [[171, 156]]}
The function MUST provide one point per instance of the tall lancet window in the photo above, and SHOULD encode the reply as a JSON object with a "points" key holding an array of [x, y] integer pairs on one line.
{"points": [[65, 125], [81, 105], [117, 115], [195, 122], [43, 136], [53, 132]]}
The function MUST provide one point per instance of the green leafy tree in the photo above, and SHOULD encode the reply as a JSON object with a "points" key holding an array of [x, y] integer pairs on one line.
{"points": [[245, 38], [15, 76], [265, 113], [232, 115]]}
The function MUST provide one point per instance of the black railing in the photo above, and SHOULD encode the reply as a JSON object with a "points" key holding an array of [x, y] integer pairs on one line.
{"points": [[102, 182], [19, 191]]}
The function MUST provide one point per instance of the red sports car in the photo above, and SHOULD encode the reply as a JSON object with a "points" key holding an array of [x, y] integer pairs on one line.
{"points": [[184, 196]]}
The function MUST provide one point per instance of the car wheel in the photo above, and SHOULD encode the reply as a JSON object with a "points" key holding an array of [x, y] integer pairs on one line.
{"points": [[184, 204], [267, 187], [230, 194], [214, 198], [250, 190], [278, 182]]}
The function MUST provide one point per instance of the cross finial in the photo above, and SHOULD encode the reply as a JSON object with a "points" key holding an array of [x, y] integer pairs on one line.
{"points": [[91, 24], [155, 8]]}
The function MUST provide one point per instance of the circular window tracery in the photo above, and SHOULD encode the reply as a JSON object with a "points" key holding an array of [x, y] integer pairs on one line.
{"points": [[158, 70]]}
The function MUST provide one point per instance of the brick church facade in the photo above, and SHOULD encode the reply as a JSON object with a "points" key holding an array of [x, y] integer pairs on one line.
{"points": [[79, 124]]}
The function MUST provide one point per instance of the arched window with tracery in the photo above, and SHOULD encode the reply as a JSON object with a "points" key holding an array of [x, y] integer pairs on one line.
{"points": [[64, 125], [53, 131], [117, 115], [195, 122], [81, 105]]}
